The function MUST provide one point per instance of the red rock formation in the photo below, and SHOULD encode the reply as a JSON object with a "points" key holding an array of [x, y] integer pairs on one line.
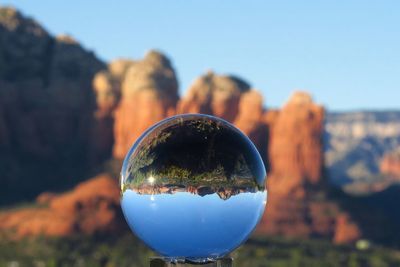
{"points": [[107, 91], [92, 207], [216, 95], [107, 87], [250, 111], [314, 216], [47, 105], [230, 98], [284, 216], [250, 120], [295, 146], [149, 94], [390, 164], [297, 205], [346, 230], [118, 68]]}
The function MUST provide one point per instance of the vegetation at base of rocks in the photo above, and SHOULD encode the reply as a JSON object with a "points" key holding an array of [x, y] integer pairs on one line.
{"points": [[74, 251], [126, 250]]}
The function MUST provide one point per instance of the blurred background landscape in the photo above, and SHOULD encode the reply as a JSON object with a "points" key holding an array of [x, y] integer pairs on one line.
{"points": [[69, 114]]}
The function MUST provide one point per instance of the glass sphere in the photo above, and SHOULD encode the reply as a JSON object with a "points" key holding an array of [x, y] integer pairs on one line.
{"points": [[193, 188]]}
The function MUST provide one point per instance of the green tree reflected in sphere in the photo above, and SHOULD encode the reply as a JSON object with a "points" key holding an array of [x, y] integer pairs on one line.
{"points": [[193, 188]]}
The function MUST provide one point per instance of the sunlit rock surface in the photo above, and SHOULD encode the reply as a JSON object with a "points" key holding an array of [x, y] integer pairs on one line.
{"points": [[295, 146], [91, 207], [214, 94], [149, 94]]}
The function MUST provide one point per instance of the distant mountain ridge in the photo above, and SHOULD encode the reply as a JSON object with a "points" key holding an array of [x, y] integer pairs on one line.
{"points": [[355, 142]]}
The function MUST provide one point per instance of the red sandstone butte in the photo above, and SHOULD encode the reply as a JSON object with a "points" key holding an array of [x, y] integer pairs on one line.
{"points": [[229, 98], [92, 207], [250, 120], [297, 203], [311, 216], [213, 94], [107, 93], [295, 145], [149, 94]]}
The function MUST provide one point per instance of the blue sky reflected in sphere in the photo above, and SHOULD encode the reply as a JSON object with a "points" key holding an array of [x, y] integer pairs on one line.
{"points": [[184, 225]]}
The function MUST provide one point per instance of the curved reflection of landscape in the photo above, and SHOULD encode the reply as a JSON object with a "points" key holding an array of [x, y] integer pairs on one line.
{"points": [[193, 186], [223, 192]]}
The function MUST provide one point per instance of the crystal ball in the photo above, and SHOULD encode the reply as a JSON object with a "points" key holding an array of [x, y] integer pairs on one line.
{"points": [[193, 188]]}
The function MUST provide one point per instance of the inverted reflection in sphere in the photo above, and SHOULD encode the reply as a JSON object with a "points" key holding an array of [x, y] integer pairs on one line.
{"points": [[193, 188]]}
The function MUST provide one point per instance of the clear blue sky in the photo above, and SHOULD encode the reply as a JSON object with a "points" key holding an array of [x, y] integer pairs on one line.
{"points": [[346, 53]]}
